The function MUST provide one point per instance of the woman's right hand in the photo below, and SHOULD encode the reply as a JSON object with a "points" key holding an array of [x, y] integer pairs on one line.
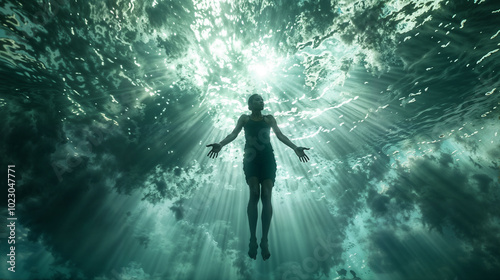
{"points": [[216, 147]]}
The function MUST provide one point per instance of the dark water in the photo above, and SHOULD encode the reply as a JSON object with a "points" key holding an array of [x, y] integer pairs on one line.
{"points": [[107, 106]]}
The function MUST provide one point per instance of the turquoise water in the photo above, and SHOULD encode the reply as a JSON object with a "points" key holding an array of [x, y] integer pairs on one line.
{"points": [[107, 106]]}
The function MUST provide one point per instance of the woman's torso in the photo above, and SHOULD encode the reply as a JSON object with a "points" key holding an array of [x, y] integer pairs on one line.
{"points": [[257, 135]]}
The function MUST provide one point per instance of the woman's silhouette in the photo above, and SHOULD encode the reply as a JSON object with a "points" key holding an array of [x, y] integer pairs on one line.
{"points": [[259, 166]]}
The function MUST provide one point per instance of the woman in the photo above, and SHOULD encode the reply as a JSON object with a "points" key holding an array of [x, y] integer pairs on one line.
{"points": [[259, 166]]}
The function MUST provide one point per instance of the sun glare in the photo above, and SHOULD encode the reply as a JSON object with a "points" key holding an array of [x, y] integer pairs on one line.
{"points": [[260, 70]]}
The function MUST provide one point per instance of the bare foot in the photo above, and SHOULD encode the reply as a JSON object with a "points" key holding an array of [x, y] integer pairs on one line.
{"points": [[252, 251], [264, 246]]}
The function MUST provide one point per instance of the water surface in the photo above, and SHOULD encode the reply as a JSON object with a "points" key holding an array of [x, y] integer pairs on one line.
{"points": [[107, 106]]}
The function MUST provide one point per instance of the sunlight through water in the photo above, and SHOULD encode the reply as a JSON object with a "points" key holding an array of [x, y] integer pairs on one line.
{"points": [[107, 108]]}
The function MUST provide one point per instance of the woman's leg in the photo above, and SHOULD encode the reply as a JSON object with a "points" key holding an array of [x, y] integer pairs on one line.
{"points": [[267, 213], [252, 213]]}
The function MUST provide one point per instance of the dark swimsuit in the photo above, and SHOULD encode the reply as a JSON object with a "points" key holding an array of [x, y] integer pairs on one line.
{"points": [[259, 159]]}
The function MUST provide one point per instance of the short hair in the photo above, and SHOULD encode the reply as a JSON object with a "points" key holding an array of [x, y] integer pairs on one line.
{"points": [[251, 98]]}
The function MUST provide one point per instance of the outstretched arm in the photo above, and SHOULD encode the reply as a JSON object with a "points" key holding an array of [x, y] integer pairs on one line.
{"points": [[299, 151], [216, 147]]}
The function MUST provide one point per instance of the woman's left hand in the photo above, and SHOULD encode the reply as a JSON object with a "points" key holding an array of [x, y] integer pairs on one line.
{"points": [[300, 153]]}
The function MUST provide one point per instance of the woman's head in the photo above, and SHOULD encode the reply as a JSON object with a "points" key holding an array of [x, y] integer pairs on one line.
{"points": [[255, 102]]}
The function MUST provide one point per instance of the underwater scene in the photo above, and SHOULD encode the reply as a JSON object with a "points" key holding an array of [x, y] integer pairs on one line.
{"points": [[382, 117]]}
